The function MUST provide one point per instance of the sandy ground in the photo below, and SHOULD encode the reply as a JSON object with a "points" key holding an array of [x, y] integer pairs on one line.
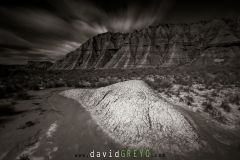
{"points": [[62, 129], [61, 132]]}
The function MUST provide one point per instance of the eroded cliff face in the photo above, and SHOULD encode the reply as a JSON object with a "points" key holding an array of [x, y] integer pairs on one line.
{"points": [[211, 42]]}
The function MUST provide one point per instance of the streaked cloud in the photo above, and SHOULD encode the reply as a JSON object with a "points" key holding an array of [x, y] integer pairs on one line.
{"points": [[63, 25]]}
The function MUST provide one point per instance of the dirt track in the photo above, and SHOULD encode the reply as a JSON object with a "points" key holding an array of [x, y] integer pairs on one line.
{"points": [[66, 130], [76, 133]]}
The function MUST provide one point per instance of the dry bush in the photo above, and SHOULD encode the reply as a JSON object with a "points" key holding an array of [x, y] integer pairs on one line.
{"points": [[159, 84], [189, 100], [225, 106], [217, 115], [234, 99]]}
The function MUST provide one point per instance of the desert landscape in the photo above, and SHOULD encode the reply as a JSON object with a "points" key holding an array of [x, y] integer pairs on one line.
{"points": [[161, 91], [60, 117]]}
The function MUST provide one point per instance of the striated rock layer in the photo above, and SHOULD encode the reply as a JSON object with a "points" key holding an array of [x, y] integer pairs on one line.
{"points": [[131, 114], [207, 42]]}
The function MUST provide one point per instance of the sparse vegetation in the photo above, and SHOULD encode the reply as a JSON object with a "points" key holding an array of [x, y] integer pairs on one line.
{"points": [[202, 88], [208, 108]]}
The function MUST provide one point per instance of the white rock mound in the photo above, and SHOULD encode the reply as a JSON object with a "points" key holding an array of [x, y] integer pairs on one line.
{"points": [[134, 116]]}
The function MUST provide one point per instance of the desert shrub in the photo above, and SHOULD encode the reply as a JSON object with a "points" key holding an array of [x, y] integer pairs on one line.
{"points": [[207, 106], [214, 94], [59, 84], [208, 98], [208, 86], [189, 100], [217, 115], [113, 81], [165, 84], [225, 106], [159, 84], [181, 99], [101, 84], [201, 88], [180, 79], [50, 84], [186, 89], [168, 93], [234, 99], [71, 83], [177, 93]]}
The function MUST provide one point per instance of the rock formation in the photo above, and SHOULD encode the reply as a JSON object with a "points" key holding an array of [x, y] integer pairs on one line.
{"points": [[206, 42], [134, 116]]}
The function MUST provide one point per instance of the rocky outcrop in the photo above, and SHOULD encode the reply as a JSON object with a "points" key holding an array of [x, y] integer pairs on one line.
{"points": [[205, 42], [134, 116]]}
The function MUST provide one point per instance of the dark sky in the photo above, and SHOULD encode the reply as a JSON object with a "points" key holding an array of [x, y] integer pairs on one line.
{"points": [[48, 29]]}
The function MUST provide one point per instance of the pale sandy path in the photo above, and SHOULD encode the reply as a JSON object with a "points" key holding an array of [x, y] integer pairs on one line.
{"points": [[65, 131]]}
